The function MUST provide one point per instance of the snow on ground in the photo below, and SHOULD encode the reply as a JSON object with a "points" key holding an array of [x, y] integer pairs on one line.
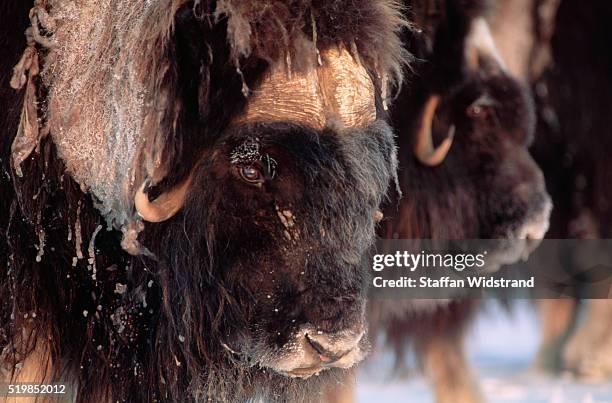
{"points": [[502, 348]]}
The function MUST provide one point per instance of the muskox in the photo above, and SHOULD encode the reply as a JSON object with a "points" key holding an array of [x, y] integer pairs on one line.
{"points": [[567, 62], [569, 74], [187, 190], [464, 126]]}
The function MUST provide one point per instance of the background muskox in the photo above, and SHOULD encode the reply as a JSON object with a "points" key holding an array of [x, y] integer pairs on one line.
{"points": [[248, 136], [562, 51], [572, 86], [464, 126]]}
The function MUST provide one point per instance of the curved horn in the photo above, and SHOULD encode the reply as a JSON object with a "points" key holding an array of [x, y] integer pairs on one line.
{"points": [[165, 206], [480, 44], [423, 148]]}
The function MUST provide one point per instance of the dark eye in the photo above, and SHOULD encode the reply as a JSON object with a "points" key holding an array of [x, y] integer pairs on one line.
{"points": [[251, 174], [482, 107], [478, 111]]}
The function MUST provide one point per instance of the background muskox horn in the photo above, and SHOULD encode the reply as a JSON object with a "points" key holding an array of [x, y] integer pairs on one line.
{"points": [[423, 147], [480, 48], [165, 206]]}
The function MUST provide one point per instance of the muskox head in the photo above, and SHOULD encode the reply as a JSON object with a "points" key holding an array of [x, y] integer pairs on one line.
{"points": [[275, 213], [465, 126], [239, 148]]}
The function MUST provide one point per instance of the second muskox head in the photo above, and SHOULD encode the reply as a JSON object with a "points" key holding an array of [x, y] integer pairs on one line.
{"points": [[465, 126]]}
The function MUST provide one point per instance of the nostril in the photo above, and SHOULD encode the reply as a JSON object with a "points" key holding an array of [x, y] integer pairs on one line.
{"points": [[325, 355]]}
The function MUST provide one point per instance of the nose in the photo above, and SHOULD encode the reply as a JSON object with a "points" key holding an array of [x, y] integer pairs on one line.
{"points": [[332, 348], [312, 351]]}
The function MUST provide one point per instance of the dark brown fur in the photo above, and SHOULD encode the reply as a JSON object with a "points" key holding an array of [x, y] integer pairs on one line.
{"points": [[573, 93], [225, 283]]}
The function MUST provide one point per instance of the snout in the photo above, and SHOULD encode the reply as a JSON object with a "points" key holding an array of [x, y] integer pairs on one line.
{"points": [[520, 239], [526, 237], [527, 207], [311, 351]]}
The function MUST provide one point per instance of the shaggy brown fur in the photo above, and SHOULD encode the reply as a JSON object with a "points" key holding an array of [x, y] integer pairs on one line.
{"points": [[144, 138], [221, 288], [142, 77]]}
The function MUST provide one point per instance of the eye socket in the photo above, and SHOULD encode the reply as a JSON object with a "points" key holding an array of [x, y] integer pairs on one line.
{"points": [[251, 174]]}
